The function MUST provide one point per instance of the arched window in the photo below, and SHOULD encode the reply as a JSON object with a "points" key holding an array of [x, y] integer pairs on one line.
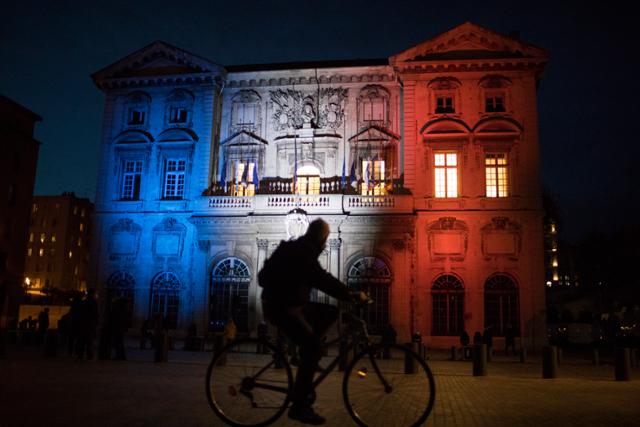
{"points": [[448, 305], [122, 285], [372, 275], [229, 294], [165, 298], [501, 304]]}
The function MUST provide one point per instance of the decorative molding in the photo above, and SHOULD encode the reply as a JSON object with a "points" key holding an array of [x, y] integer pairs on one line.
{"points": [[335, 244], [294, 109], [263, 243], [501, 238], [448, 239], [290, 81]]}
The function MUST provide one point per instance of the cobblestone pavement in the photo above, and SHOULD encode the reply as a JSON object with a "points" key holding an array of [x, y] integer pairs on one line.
{"points": [[35, 391]]}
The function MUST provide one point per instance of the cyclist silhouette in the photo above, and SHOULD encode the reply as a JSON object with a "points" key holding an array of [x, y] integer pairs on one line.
{"points": [[287, 279]]}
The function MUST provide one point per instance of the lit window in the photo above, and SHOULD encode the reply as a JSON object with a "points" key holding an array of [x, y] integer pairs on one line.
{"points": [[494, 104], [444, 104], [131, 180], [43, 237], [70, 255], [29, 252], [496, 175], [82, 212], [244, 176], [373, 176], [554, 263], [75, 271], [81, 227], [34, 208], [553, 228], [41, 252], [446, 174], [75, 210], [79, 241], [53, 238], [308, 180], [174, 179], [31, 237]]}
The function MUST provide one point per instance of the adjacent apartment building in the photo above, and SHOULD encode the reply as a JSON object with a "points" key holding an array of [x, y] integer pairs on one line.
{"points": [[425, 164], [58, 244]]}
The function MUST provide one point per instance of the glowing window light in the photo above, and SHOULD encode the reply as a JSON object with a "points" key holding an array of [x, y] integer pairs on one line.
{"points": [[41, 252], [70, 254], [31, 237], [496, 175], [29, 252], [53, 238], [43, 237], [555, 276], [446, 175], [554, 263]]}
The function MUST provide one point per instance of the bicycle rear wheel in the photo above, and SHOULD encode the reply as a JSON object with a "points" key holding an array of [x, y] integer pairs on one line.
{"points": [[388, 382], [248, 383]]}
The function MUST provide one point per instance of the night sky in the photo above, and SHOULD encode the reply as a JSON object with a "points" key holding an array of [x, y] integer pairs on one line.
{"points": [[588, 98]]}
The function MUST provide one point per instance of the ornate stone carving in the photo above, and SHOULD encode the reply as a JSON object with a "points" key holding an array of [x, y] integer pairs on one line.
{"points": [[448, 239], [335, 244], [501, 238], [295, 109], [262, 243]]}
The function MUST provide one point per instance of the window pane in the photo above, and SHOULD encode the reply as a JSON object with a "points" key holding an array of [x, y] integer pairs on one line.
{"points": [[440, 183], [452, 159], [439, 159], [452, 182]]}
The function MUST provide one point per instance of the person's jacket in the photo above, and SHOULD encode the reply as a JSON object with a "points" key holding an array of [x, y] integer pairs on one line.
{"points": [[293, 270]]}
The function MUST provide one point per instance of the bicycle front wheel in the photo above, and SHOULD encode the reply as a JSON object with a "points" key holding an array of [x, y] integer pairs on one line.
{"points": [[388, 382], [248, 383]]}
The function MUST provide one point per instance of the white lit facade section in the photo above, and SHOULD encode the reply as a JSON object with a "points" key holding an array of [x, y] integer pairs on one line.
{"points": [[496, 175], [446, 175]]}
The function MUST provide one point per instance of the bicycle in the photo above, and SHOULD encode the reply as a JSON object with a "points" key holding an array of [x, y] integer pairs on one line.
{"points": [[249, 380]]}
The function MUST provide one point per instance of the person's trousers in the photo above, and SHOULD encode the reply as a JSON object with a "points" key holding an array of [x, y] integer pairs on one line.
{"points": [[305, 326]]}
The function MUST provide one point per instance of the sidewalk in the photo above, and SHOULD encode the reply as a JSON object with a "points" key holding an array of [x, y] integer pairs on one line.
{"points": [[35, 391]]}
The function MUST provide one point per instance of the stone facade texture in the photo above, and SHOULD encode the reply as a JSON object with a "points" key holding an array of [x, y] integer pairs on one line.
{"points": [[199, 162]]}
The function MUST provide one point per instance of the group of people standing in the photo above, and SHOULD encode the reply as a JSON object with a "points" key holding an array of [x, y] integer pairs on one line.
{"points": [[486, 337]]}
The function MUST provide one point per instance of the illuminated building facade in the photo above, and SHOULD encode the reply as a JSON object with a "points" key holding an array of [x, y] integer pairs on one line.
{"points": [[58, 244], [18, 160], [425, 165]]}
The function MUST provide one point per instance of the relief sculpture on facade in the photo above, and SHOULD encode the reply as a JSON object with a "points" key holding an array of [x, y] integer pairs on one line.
{"points": [[294, 109]]}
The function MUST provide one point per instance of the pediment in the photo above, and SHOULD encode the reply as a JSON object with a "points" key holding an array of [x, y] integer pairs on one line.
{"points": [[158, 59], [374, 133], [469, 41], [244, 137]]}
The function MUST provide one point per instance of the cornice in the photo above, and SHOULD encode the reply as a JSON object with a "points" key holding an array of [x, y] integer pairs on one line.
{"points": [[481, 65], [288, 81], [160, 81]]}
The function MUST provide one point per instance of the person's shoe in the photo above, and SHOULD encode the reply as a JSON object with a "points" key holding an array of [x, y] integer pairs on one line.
{"points": [[306, 415]]}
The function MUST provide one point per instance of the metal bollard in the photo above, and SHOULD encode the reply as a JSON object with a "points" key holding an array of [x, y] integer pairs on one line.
{"points": [[453, 352], [549, 361], [409, 365], [595, 356], [634, 357], [623, 364], [479, 360], [559, 355], [523, 355], [489, 353]]}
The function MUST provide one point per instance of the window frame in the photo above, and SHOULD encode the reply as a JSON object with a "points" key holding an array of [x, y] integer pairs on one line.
{"points": [[447, 169], [498, 170], [179, 188], [133, 195]]}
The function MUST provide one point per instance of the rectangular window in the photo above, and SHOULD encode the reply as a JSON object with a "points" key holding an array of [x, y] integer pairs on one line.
{"points": [[29, 252], [494, 104], [136, 117], [496, 175], [243, 179], [131, 180], [373, 109], [446, 174], [31, 237], [244, 114], [174, 178], [308, 185], [444, 104], [373, 178], [178, 115]]}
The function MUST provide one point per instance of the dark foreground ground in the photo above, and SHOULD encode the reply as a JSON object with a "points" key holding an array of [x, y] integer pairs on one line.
{"points": [[35, 391]]}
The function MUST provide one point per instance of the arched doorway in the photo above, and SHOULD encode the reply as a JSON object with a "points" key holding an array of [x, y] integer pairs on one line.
{"points": [[372, 275], [229, 294], [447, 294], [165, 298], [501, 304], [122, 285]]}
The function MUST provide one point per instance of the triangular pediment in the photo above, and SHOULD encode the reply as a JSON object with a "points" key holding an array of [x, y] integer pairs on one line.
{"points": [[374, 133], [469, 41], [158, 59], [244, 137]]}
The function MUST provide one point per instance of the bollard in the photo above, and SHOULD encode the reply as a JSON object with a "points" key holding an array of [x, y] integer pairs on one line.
{"points": [[634, 357], [623, 364], [479, 360], [346, 356], [489, 353], [161, 349], [467, 350], [409, 365], [559, 355], [523, 355], [453, 352], [549, 361], [595, 356]]}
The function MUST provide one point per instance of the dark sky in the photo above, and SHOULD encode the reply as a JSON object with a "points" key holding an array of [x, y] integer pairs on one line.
{"points": [[588, 98]]}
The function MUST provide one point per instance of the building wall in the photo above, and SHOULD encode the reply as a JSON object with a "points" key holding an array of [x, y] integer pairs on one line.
{"points": [[18, 159], [287, 119]]}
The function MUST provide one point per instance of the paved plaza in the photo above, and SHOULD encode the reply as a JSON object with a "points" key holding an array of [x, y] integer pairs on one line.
{"points": [[35, 391]]}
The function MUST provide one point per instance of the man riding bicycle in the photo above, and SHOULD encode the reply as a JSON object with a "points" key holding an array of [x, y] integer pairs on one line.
{"points": [[287, 279]]}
